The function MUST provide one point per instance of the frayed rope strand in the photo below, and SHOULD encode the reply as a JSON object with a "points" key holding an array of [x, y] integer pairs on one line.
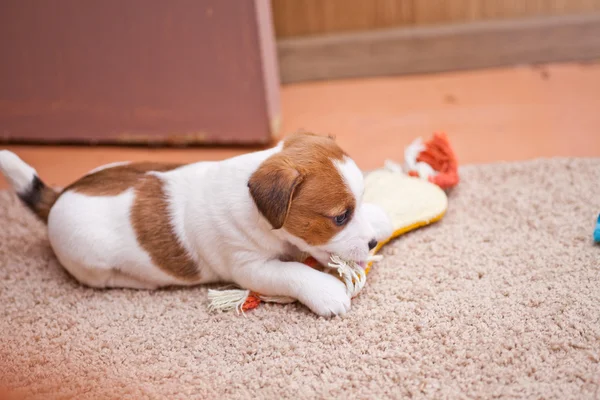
{"points": [[227, 300], [352, 274]]}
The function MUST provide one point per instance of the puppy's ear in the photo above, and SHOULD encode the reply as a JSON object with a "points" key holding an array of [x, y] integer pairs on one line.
{"points": [[272, 187]]}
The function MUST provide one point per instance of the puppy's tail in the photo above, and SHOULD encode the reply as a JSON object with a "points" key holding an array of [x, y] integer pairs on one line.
{"points": [[25, 181]]}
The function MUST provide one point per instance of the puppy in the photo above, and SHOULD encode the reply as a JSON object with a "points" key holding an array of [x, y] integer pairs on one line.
{"points": [[241, 220]]}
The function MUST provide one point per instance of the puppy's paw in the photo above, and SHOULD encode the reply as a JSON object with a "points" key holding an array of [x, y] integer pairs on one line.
{"points": [[326, 296]]}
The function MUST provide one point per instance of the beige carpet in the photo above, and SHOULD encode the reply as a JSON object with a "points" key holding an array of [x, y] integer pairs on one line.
{"points": [[499, 299]]}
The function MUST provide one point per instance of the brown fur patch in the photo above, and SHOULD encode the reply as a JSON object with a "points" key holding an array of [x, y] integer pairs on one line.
{"points": [[302, 187], [39, 198], [324, 145], [151, 222], [47, 199], [115, 180]]}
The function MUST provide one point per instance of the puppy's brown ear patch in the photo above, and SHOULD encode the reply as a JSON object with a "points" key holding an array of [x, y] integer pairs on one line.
{"points": [[272, 187]]}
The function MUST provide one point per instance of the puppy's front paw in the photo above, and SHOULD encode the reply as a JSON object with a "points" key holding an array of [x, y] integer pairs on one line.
{"points": [[326, 296]]}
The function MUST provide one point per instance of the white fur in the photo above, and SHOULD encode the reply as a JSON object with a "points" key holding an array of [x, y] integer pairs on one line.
{"points": [[379, 220], [352, 175], [93, 239], [19, 174], [216, 220]]}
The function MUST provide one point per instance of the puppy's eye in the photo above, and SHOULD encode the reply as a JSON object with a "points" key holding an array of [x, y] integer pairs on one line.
{"points": [[341, 219]]}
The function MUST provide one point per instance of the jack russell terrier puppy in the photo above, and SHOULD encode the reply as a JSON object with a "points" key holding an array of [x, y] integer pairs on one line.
{"points": [[241, 220]]}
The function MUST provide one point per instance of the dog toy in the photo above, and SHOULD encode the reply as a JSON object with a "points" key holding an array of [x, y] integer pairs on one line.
{"points": [[597, 231], [240, 300], [433, 160], [412, 197]]}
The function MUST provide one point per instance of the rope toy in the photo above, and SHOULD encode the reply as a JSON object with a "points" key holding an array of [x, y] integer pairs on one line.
{"points": [[413, 196], [433, 160], [240, 300]]}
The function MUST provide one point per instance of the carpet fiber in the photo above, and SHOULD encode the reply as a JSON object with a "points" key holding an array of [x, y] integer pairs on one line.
{"points": [[499, 299]]}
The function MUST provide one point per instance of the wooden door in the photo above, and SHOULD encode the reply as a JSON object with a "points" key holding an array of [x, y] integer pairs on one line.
{"points": [[138, 71]]}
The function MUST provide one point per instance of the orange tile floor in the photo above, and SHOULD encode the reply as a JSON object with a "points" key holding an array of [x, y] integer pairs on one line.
{"points": [[491, 115]]}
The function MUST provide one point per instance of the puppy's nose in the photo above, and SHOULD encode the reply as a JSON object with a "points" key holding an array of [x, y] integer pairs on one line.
{"points": [[372, 244]]}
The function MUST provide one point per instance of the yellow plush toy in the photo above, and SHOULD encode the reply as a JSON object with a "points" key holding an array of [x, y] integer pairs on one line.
{"points": [[410, 201]]}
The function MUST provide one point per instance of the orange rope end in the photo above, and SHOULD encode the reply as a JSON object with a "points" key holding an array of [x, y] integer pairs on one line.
{"points": [[251, 302], [311, 262], [440, 156]]}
